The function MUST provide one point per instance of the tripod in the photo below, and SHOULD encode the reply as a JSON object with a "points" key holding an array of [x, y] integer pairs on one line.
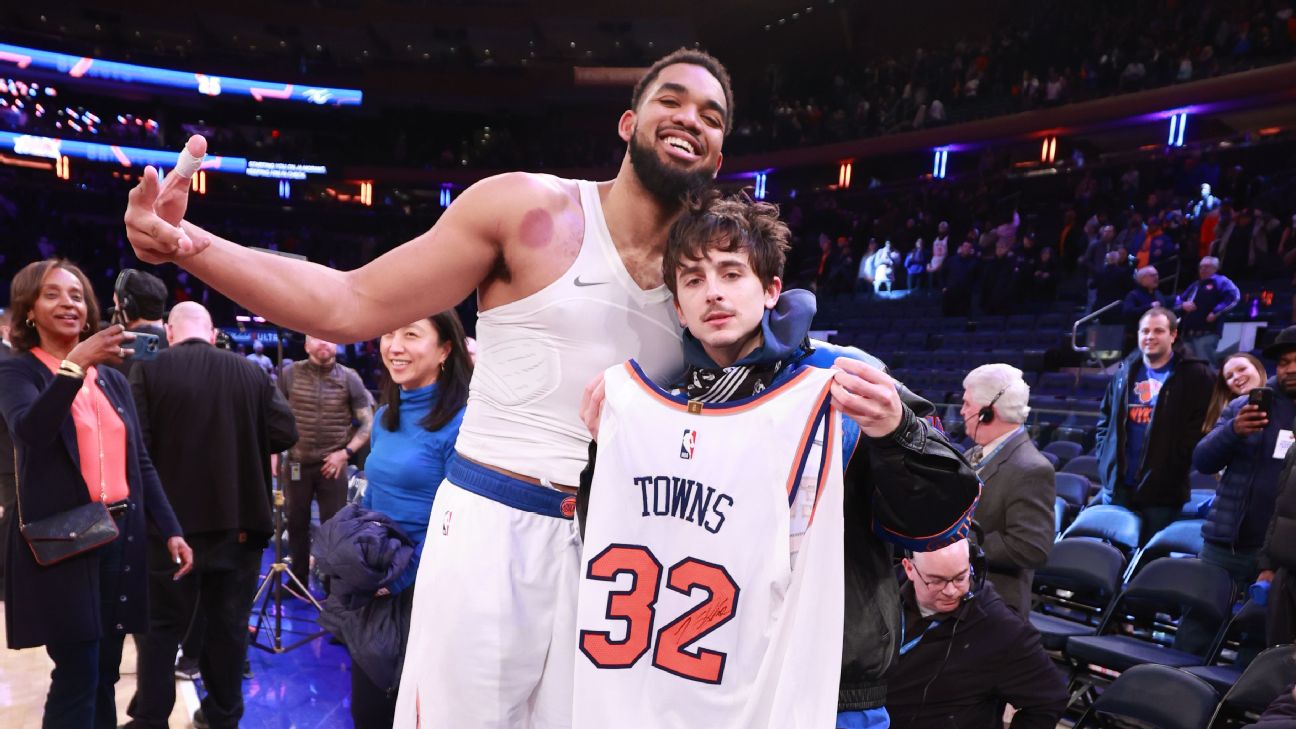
{"points": [[270, 594]]}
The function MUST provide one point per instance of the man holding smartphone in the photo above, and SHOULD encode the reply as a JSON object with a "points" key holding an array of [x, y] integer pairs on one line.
{"points": [[139, 302], [1250, 440]]}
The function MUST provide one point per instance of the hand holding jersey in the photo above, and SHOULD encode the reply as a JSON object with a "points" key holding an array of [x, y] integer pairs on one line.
{"points": [[868, 396]]}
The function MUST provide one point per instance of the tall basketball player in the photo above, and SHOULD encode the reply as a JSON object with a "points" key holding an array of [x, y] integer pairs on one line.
{"points": [[568, 279], [737, 572]]}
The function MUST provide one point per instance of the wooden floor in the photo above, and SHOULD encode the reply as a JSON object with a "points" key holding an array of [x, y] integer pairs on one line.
{"points": [[25, 676]]}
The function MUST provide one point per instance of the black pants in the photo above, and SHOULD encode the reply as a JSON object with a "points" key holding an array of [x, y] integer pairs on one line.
{"points": [[8, 502], [83, 682], [1282, 609], [331, 494], [221, 587], [371, 706]]}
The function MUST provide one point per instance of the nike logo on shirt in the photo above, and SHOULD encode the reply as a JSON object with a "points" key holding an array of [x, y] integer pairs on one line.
{"points": [[581, 283]]}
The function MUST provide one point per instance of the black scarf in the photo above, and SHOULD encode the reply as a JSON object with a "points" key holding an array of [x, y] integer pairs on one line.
{"points": [[723, 384]]}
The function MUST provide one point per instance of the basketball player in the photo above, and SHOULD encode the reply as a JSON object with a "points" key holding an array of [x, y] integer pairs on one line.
{"points": [[568, 279], [699, 547]]}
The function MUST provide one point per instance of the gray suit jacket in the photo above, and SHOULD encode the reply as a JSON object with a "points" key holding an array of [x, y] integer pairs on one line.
{"points": [[1016, 514]]}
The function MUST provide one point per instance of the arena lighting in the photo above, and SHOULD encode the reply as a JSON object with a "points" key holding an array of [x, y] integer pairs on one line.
{"points": [[366, 193], [198, 183], [939, 161], [285, 189], [1178, 122], [205, 84], [1048, 150], [62, 169], [447, 195], [759, 191], [844, 174], [53, 148]]}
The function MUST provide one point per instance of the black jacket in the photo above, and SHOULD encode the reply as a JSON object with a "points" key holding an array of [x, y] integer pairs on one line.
{"points": [[61, 603], [211, 419], [962, 670], [1173, 433], [362, 551], [1280, 539], [911, 488]]}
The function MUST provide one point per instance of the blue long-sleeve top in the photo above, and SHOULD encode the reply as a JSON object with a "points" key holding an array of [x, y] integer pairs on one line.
{"points": [[405, 467]]}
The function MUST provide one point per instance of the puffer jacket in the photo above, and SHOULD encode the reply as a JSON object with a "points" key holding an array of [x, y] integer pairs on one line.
{"points": [[1251, 479], [360, 552]]}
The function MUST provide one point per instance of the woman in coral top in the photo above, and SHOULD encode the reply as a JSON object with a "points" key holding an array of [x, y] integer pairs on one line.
{"points": [[78, 440]]}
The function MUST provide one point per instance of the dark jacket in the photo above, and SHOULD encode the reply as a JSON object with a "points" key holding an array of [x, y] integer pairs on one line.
{"points": [[1174, 431], [1280, 540], [1016, 516], [1214, 295], [362, 551], [1139, 300], [1280, 714], [61, 603], [911, 489], [1244, 498], [961, 273], [211, 419], [998, 658]]}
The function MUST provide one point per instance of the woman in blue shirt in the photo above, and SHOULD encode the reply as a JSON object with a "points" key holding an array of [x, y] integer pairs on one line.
{"points": [[423, 397]]}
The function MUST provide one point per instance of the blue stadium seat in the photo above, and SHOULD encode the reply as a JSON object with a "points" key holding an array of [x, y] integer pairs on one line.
{"points": [[1052, 459], [1056, 384], [1108, 523], [1065, 450], [1086, 466], [1197, 502], [1180, 537], [1074, 489], [1158, 696]]}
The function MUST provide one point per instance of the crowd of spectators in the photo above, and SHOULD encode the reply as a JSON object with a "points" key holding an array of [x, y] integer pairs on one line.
{"points": [[1074, 52], [1071, 52]]}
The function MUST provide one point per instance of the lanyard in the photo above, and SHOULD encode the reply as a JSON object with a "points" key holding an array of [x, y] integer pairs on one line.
{"points": [[985, 458], [906, 647]]}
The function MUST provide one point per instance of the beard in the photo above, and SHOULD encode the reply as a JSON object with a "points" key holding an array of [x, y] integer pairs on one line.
{"points": [[664, 182]]}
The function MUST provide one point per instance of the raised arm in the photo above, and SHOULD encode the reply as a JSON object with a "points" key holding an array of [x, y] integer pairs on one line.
{"points": [[430, 273]]}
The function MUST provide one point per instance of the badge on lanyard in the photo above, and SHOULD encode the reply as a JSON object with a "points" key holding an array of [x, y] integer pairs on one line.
{"points": [[1285, 439], [294, 471]]}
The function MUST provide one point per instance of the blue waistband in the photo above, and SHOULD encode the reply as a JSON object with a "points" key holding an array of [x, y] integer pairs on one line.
{"points": [[509, 491]]}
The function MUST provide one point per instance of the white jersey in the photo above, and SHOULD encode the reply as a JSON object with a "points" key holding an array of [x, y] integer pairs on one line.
{"points": [[537, 354], [691, 610]]}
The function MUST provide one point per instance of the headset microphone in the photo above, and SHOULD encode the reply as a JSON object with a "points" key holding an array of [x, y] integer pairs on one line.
{"points": [[986, 415]]}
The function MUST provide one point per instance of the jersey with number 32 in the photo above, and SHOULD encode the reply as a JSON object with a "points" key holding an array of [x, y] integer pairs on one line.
{"points": [[704, 600]]}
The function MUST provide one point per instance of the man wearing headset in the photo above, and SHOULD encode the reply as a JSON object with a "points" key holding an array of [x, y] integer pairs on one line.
{"points": [[139, 301], [1018, 484], [999, 660]]}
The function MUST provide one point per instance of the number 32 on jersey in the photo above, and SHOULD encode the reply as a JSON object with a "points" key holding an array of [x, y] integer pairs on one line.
{"points": [[637, 607]]}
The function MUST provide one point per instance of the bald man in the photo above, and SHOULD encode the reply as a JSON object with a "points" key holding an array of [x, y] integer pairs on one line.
{"points": [[210, 419], [999, 657]]}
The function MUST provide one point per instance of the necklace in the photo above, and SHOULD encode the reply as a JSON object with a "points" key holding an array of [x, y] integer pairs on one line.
{"points": [[103, 481]]}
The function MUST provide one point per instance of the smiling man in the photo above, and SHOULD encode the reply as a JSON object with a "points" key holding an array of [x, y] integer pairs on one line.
{"points": [[1150, 421], [568, 280]]}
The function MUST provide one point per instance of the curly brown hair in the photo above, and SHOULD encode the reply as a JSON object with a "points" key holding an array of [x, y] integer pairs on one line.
{"points": [[712, 221], [691, 57], [26, 288]]}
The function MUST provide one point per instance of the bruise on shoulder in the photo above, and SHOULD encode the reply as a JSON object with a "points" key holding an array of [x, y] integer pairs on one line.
{"points": [[536, 229]]}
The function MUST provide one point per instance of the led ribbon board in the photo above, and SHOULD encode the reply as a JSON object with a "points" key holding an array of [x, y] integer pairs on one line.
{"points": [[53, 148], [206, 84]]}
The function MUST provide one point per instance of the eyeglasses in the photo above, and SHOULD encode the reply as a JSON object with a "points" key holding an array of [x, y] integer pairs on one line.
{"points": [[939, 584]]}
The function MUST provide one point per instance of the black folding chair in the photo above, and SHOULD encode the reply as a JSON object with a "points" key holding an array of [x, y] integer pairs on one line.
{"points": [[1074, 589], [1268, 676], [1152, 695], [1141, 625]]}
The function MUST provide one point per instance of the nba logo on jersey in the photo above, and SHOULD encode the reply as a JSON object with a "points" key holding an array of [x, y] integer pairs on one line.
{"points": [[688, 443]]}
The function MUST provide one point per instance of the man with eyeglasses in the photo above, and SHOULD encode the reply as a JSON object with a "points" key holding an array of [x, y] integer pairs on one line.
{"points": [[999, 658]]}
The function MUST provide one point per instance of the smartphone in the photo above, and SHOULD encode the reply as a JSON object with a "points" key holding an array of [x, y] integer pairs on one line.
{"points": [[1261, 397], [143, 347]]}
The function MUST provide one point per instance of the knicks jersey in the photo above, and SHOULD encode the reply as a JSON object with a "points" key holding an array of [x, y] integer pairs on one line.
{"points": [[537, 354], [692, 611]]}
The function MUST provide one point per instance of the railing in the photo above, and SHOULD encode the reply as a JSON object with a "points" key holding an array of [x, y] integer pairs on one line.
{"points": [[1075, 327]]}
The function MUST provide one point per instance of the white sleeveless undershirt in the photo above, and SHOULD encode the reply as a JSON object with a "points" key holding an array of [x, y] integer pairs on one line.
{"points": [[536, 355]]}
